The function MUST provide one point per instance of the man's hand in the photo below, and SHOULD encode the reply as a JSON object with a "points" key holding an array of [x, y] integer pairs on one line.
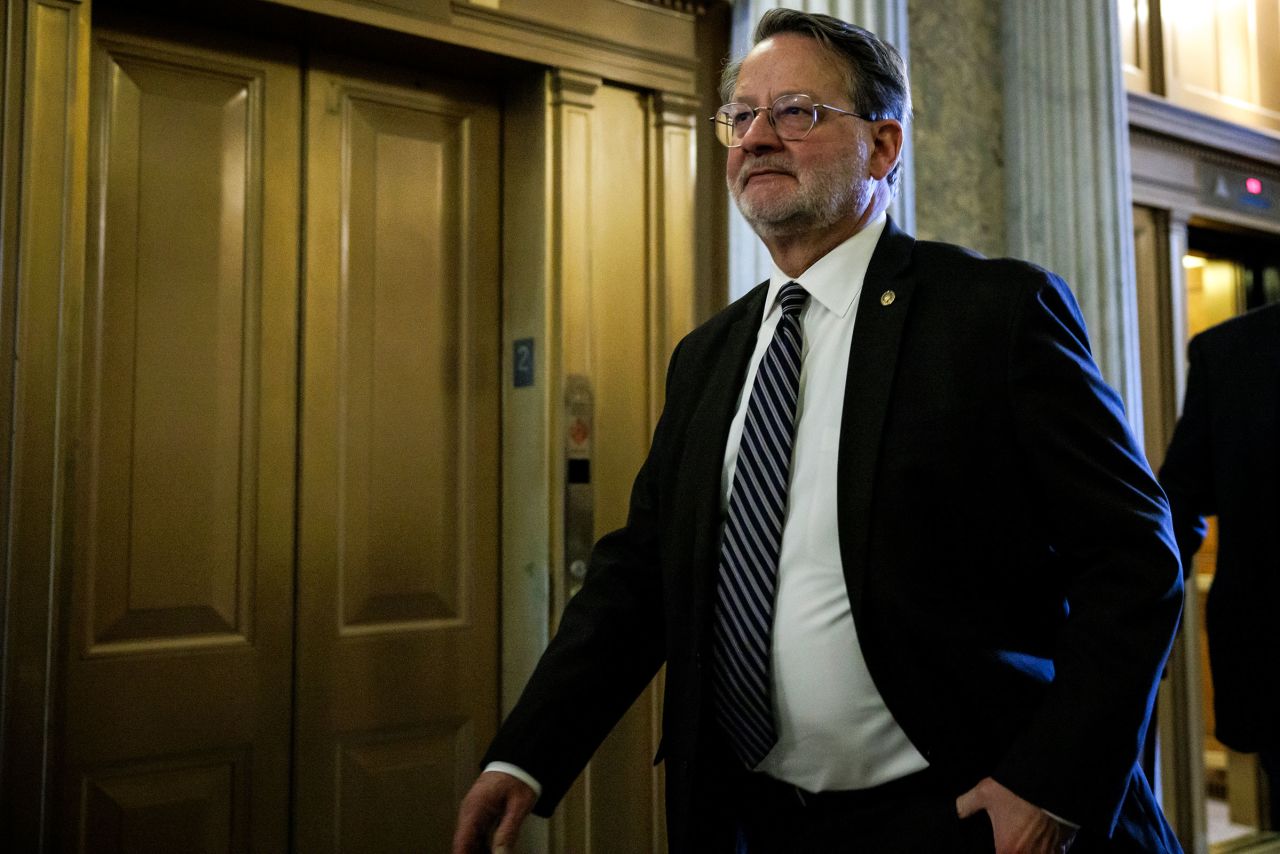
{"points": [[491, 814], [1019, 827]]}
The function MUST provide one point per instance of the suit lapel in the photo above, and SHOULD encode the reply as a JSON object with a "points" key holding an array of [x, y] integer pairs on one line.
{"points": [[703, 462], [873, 355]]}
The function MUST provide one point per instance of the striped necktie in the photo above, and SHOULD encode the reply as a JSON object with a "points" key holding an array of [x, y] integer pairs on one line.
{"points": [[752, 540]]}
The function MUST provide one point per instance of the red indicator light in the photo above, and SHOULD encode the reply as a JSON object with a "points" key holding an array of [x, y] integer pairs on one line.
{"points": [[1254, 186]]}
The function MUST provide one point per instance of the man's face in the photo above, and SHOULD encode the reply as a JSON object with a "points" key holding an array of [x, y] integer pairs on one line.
{"points": [[786, 187]]}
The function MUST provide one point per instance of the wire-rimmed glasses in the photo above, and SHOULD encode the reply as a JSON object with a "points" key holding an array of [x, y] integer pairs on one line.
{"points": [[792, 118]]}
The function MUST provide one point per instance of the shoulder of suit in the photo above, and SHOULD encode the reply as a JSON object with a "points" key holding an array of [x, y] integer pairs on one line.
{"points": [[949, 263], [1256, 331]]}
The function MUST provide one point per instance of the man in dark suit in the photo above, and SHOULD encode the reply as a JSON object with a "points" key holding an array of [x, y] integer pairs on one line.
{"points": [[911, 579], [1224, 460]]}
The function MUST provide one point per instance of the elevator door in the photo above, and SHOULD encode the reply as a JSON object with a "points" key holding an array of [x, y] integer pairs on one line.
{"points": [[1226, 273], [283, 541], [398, 524]]}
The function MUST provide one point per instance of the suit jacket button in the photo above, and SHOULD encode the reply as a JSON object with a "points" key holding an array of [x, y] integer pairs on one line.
{"points": [[887, 298]]}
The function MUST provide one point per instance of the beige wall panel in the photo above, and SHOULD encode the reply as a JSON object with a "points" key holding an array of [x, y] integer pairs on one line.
{"points": [[398, 554], [171, 548], [1237, 61], [1135, 52], [1194, 50], [182, 624], [1267, 78], [1223, 58]]}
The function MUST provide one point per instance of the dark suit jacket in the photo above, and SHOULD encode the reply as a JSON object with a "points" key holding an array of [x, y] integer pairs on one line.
{"points": [[1007, 553], [1224, 460]]}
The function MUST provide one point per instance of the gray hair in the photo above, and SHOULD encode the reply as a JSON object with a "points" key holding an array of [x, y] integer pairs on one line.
{"points": [[874, 73]]}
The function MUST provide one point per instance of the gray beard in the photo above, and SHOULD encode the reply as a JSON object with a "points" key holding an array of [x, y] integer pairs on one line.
{"points": [[827, 196]]}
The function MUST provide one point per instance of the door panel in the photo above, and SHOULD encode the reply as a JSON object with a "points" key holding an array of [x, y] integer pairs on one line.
{"points": [[171, 361], [398, 561], [178, 678]]}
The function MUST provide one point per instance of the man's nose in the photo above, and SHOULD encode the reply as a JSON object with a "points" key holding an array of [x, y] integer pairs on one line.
{"points": [[760, 135]]}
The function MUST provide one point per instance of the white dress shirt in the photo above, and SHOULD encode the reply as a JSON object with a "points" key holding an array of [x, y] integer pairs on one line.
{"points": [[834, 730]]}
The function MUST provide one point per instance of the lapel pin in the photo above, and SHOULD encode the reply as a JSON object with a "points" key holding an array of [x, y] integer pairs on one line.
{"points": [[887, 298]]}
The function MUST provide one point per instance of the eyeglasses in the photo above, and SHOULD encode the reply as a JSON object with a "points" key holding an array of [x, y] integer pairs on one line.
{"points": [[792, 118]]}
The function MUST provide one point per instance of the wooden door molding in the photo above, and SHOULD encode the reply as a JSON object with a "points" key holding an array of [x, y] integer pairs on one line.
{"points": [[617, 287], [49, 57], [640, 44], [674, 302], [1160, 241]]}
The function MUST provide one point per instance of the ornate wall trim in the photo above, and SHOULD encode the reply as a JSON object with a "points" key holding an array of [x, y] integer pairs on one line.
{"points": [[571, 88], [673, 109], [679, 7], [1158, 115], [49, 279]]}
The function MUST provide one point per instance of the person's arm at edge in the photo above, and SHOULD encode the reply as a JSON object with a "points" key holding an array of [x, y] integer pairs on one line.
{"points": [[1187, 471], [492, 813]]}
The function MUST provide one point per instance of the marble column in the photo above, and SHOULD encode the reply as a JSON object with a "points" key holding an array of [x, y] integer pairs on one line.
{"points": [[1067, 175], [749, 262]]}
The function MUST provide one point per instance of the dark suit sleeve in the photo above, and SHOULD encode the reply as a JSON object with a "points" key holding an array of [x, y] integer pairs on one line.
{"points": [[1108, 523], [607, 648], [1187, 472]]}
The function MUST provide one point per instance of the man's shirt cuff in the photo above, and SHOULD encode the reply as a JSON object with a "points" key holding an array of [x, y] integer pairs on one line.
{"points": [[1062, 821], [517, 772]]}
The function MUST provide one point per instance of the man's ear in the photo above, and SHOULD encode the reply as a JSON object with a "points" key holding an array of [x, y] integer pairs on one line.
{"points": [[887, 141]]}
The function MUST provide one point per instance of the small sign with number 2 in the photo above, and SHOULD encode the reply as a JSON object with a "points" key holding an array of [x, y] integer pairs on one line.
{"points": [[522, 363]]}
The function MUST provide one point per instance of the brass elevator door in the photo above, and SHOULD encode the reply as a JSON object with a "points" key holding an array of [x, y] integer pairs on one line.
{"points": [[398, 523], [177, 708], [283, 536]]}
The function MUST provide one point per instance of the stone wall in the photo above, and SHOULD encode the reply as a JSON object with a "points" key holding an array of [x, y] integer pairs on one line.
{"points": [[956, 72]]}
